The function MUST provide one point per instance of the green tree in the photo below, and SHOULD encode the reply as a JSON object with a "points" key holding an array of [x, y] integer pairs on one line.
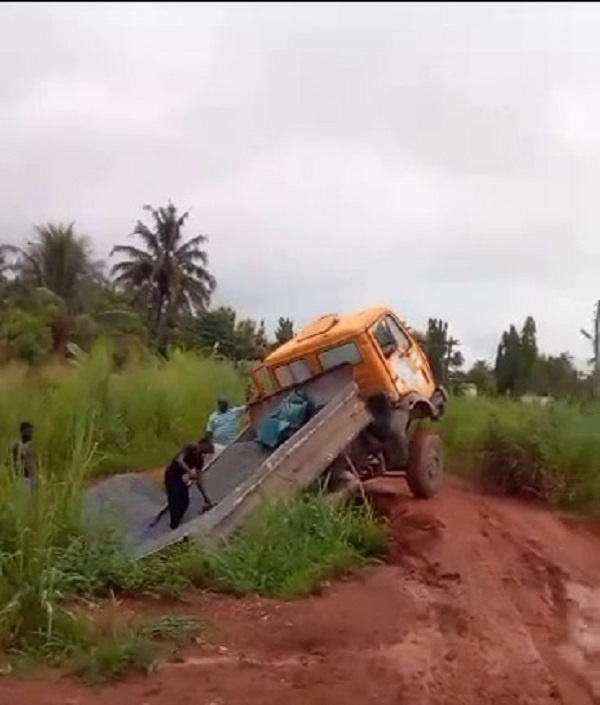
{"points": [[24, 335], [218, 331], [517, 360], [482, 376], [435, 345], [528, 356], [441, 350], [507, 367], [251, 340], [556, 376], [213, 330], [285, 330], [55, 274], [169, 275], [60, 261]]}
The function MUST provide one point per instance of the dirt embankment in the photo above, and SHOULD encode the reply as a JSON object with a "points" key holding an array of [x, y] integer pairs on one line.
{"points": [[482, 602]]}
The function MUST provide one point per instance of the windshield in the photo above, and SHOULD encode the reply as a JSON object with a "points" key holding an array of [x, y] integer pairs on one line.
{"points": [[390, 337]]}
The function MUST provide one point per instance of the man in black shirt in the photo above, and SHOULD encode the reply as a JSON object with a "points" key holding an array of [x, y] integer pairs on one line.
{"points": [[184, 470]]}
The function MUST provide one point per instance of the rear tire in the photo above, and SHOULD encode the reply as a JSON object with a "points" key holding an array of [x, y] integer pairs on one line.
{"points": [[425, 469]]}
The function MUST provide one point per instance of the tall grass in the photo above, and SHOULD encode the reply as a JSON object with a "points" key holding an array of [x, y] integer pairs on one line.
{"points": [[138, 415], [87, 419], [36, 536], [553, 451], [287, 548]]}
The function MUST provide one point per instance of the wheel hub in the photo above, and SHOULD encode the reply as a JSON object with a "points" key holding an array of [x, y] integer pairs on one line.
{"points": [[433, 466]]}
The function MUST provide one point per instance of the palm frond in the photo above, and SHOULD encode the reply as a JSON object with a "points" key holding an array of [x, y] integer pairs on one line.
{"points": [[134, 253], [192, 246], [148, 237]]}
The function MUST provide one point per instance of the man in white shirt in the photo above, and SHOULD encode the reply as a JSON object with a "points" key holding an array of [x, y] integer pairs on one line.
{"points": [[224, 423]]}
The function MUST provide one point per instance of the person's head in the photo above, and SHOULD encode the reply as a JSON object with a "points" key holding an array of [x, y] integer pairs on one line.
{"points": [[222, 405], [205, 445], [26, 431]]}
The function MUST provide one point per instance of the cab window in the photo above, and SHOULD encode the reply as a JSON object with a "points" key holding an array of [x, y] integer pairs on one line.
{"points": [[390, 337], [293, 373], [264, 380], [341, 354]]}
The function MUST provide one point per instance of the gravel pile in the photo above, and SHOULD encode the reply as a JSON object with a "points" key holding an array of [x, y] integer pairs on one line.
{"points": [[132, 501]]}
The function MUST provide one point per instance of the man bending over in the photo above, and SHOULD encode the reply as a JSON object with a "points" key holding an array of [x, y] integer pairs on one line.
{"points": [[182, 472]]}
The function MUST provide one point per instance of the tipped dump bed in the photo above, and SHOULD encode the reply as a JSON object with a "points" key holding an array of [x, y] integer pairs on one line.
{"points": [[244, 473]]}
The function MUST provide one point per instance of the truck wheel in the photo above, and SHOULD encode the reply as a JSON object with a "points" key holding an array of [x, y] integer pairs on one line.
{"points": [[425, 464]]}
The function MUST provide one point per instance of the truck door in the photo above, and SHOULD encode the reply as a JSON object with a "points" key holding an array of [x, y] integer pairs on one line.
{"points": [[403, 359]]}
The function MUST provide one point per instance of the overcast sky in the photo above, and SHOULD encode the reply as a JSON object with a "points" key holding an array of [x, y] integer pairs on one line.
{"points": [[441, 158]]}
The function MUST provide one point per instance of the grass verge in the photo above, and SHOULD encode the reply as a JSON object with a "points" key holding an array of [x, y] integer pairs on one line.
{"points": [[549, 453], [114, 650], [288, 548]]}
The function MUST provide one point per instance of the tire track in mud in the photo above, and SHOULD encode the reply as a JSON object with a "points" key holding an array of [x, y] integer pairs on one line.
{"points": [[542, 592], [489, 655]]}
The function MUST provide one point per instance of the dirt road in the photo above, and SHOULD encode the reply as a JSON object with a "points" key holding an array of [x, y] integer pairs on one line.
{"points": [[482, 602]]}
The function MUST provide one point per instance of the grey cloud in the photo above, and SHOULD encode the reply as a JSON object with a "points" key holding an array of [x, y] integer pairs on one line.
{"points": [[440, 157]]}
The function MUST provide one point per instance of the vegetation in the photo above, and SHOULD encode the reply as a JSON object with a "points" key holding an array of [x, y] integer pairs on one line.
{"points": [[77, 358], [115, 649], [169, 277], [284, 331], [135, 418], [550, 453], [287, 549]]}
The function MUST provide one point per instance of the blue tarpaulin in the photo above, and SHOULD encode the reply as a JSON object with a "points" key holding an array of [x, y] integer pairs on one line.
{"points": [[291, 414]]}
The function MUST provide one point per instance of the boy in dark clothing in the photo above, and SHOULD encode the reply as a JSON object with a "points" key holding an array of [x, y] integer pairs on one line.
{"points": [[22, 452], [184, 470]]}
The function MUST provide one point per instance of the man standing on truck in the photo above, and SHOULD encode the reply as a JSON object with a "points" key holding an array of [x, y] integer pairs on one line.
{"points": [[223, 424]]}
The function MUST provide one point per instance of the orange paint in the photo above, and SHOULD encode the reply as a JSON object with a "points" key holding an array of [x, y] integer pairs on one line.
{"points": [[385, 356]]}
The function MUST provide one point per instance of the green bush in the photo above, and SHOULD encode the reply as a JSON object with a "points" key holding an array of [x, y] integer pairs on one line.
{"points": [[287, 548], [517, 448], [117, 649]]}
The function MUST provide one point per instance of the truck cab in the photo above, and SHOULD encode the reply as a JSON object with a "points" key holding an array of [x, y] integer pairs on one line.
{"points": [[389, 365]]}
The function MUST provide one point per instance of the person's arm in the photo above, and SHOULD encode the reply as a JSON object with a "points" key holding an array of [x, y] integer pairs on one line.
{"points": [[183, 459], [210, 426], [239, 410], [194, 459]]}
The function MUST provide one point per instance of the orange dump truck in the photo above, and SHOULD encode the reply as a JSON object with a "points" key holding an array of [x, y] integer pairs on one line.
{"points": [[393, 379], [338, 403]]}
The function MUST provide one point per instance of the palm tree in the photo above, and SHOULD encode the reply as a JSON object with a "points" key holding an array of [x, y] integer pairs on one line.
{"points": [[61, 262], [169, 275]]}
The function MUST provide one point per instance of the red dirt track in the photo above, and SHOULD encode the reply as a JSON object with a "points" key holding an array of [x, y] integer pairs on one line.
{"points": [[482, 602]]}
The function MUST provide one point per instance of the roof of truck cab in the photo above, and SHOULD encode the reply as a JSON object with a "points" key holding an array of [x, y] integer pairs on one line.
{"points": [[330, 328]]}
